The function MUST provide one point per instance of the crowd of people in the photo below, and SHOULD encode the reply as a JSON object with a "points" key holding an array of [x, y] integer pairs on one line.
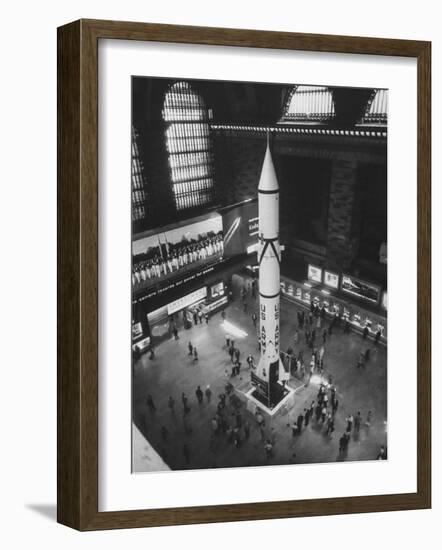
{"points": [[230, 423], [174, 257]]}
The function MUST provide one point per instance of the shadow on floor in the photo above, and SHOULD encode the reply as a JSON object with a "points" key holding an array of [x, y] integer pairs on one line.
{"points": [[49, 511]]}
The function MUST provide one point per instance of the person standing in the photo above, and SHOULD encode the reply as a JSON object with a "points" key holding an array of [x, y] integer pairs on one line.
{"points": [[365, 332], [368, 421], [349, 421], [335, 406], [358, 421], [223, 314], [228, 340], [199, 394], [299, 422], [307, 414], [186, 453], [195, 355], [190, 347], [268, 449], [171, 404]]}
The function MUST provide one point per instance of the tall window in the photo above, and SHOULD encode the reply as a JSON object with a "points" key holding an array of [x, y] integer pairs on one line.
{"points": [[377, 108], [309, 104], [189, 147], [138, 192]]}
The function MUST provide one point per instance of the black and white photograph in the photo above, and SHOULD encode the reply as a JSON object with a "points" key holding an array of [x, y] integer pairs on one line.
{"points": [[259, 274]]}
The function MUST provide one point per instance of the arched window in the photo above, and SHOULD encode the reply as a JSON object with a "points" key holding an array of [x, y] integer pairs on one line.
{"points": [[138, 189], [307, 104], [189, 147], [377, 108]]}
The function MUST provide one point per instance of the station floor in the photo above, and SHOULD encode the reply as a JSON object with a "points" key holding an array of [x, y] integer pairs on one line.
{"points": [[172, 372]]}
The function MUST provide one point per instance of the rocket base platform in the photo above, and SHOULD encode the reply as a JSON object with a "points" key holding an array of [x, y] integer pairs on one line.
{"points": [[254, 403]]}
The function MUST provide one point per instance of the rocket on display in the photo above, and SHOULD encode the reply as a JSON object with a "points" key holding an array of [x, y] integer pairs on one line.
{"points": [[270, 371]]}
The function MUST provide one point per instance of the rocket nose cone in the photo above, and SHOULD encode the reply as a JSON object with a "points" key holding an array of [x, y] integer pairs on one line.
{"points": [[267, 180]]}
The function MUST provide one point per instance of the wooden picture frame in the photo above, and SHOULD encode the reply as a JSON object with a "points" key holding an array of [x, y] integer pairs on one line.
{"points": [[78, 274]]}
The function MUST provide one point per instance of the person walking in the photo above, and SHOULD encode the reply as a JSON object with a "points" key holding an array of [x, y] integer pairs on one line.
{"points": [[195, 355], [335, 406], [208, 393], [357, 422], [175, 333], [199, 394], [377, 337], [349, 421], [365, 333], [223, 314], [190, 347], [231, 353], [330, 424], [247, 429], [254, 319], [164, 433], [150, 403], [171, 404], [206, 317]]}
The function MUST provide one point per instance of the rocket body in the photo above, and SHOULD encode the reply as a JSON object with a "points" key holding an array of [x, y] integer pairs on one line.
{"points": [[270, 369]]}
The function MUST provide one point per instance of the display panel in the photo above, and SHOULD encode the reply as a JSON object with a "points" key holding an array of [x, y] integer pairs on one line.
{"points": [[240, 223], [185, 301], [165, 254], [361, 289], [331, 279], [314, 273]]}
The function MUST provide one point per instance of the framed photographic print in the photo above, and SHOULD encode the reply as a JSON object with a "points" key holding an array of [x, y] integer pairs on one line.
{"points": [[201, 173]]}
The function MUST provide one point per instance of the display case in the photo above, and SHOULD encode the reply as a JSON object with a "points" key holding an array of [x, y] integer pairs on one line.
{"points": [[360, 289], [305, 293]]}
